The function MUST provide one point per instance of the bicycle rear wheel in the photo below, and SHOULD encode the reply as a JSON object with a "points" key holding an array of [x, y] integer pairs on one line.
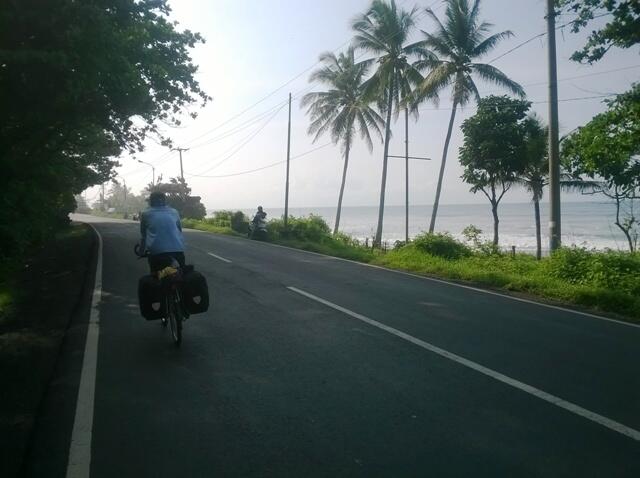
{"points": [[175, 318]]}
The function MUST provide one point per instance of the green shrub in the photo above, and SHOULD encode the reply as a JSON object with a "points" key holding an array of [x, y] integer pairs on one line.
{"points": [[235, 220], [473, 235], [310, 228], [347, 240], [399, 245], [206, 225], [441, 245], [609, 269], [239, 222]]}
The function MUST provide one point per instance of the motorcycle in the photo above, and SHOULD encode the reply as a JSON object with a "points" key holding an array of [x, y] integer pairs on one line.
{"points": [[258, 230]]}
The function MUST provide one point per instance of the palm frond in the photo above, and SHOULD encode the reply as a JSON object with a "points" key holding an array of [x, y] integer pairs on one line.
{"points": [[437, 79], [489, 43], [491, 74]]}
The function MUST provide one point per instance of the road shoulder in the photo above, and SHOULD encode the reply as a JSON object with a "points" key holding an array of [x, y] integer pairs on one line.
{"points": [[50, 297]]}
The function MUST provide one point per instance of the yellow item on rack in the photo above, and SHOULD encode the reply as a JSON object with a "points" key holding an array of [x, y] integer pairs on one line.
{"points": [[166, 272]]}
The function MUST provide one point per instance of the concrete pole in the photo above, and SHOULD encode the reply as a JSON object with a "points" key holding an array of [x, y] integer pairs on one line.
{"points": [[180, 150], [286, 193], [555, 229], [406, 161]]}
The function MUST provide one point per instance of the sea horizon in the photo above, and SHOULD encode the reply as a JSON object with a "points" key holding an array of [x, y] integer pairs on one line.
{"points": [[586, 224]]}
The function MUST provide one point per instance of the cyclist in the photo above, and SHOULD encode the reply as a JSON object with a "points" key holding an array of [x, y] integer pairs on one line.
{"points": [[161, 233]]}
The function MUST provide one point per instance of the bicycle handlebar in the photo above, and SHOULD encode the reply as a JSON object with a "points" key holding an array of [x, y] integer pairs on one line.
{"points": [[136, 251]]}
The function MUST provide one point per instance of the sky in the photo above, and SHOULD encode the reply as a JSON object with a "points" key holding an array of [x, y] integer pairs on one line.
{"points": [[257, 52]]}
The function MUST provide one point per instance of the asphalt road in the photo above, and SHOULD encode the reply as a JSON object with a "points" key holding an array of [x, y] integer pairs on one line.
{"points": [[338, 382]]}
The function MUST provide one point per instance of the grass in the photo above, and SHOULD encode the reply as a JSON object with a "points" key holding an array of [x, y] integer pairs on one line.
{"points": [[523, 273], [208, 227], [331, 247]]}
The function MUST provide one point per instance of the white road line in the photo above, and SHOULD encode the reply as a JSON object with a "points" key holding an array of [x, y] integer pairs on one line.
{"points": [[455, 284], [559, 402], [219, 258], [79, 464]]}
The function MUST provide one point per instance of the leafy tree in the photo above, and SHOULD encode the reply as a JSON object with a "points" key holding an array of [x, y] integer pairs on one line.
{"points": [[342, 109], [622, 30], [123, 200], [179, 197], [449, 56], [383, 31], [74, 74], [607, 150], [493, 151]]}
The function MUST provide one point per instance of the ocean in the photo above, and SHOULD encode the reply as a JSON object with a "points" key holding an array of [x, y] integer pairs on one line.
{"points": [[584, 224]]}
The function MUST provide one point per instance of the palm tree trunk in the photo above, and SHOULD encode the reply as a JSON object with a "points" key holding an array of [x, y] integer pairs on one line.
{"points": [[496, 222], [436, 202], [387, 136], [347, 147], [536, 208]]}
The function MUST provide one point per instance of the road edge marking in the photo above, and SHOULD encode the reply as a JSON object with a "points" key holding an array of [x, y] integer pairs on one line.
{"points": [[79, 460], [547, 397], [447, 282], [219, 257]]}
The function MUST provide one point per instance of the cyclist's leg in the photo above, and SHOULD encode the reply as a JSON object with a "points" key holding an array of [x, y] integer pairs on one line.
{"points": [[157, 262], [179, 256]]}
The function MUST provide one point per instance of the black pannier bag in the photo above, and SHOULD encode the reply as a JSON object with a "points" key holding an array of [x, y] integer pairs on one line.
{"points": [[150, 297], [195, 292]]}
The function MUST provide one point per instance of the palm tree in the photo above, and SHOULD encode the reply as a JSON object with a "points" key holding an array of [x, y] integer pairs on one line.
{"points": [[448, 54], [535, 175], [341, 109], [383, 31]]}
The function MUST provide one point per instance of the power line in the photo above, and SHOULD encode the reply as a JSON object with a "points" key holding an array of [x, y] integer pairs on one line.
{"points": [[293, 158], [160, 160], [238, 129], [251, 121], [288, 82], [539, 35], [306, 153], [278, 106], [569, 78], [538, 102], [255, 119], [243, 143]]}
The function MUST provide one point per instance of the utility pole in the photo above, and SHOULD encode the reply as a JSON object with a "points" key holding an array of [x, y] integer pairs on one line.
{"points": [[286, 193], [124, 185], [406, 170], [180, 150], [406, 158], [102, 208], [555, 229]]}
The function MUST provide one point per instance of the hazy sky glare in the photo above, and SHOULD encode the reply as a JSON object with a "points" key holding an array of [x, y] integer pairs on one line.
{"points": [[255, 46]]}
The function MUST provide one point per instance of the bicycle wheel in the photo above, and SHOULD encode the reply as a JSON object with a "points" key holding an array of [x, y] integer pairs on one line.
{"points": [[175, 318]]}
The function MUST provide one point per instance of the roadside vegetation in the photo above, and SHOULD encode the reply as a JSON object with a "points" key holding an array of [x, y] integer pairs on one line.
{"points": [[605, 281], [222, 222], [38, 300]]}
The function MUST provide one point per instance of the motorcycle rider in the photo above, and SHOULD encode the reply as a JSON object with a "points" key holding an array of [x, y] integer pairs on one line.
{"points": [[161, 233], [259, 216]]}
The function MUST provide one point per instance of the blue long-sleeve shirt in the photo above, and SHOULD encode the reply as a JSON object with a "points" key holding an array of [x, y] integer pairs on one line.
{"points": [[161, 230]]}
